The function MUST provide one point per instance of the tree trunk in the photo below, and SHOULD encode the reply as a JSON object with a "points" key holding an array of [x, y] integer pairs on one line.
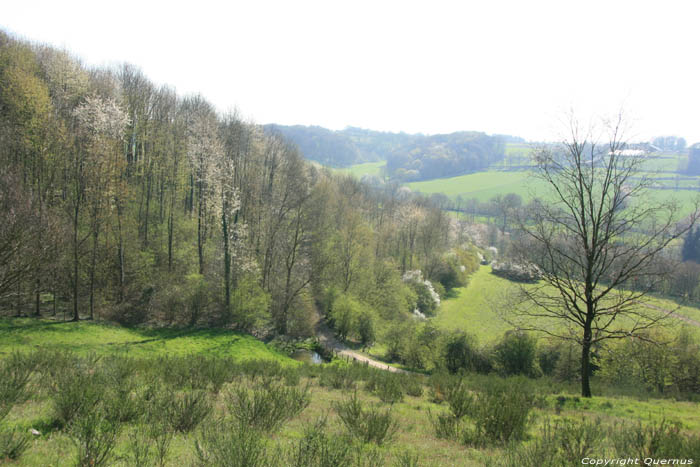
{"points": [[227, 259], [120, 252], [93, 262], [75, 262], [586, 361]]}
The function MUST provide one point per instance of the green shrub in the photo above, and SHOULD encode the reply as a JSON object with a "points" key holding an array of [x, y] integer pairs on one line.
{"points": [[412, 385], [188, 411], [366, 424], [500, 414], [337, 377], [318, 449], [15, 372], [139, 451], [12, 444], [515, 354], [230, 444], [655, 440], [365, 328], [388, 387], [446, 426], [266, 407], [407, 459], [95, 435], [460, 399], [75, 391]]}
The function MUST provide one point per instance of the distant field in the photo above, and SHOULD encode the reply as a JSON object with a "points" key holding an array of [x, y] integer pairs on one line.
{"points": [[473, 308], [481, 185], [358, 170], [86, 337]]}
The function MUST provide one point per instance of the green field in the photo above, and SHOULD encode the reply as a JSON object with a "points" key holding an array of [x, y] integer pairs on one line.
{"points": [[482, 185], [473, 308], [23, 334], [367, 168]]}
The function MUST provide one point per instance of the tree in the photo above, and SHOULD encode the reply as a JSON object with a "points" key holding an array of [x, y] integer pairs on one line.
{"points": [[597, 243]]}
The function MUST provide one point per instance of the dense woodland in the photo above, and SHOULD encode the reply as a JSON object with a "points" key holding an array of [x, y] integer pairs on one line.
{"points": [[409, 157], [123, 200]]}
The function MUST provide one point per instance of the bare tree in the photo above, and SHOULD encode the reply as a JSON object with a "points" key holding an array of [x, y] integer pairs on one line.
{"points": [[597, 242]]}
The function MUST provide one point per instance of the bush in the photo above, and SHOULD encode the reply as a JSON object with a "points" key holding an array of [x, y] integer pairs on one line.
{"points": [[267, 406], [184, 413], [655, 440], [387, 386], [337, 377], [95, 435], [343, 316], [500, 414], [316, 448], [516, 272], [367, 425], [365, 328], [446, 426], [76, 391], [15, 372], [515, 354], [230, 444], [12, 444], [461, 353]]}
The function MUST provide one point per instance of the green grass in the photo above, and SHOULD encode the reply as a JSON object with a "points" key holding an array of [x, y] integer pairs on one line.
{"points": [[482, 185], [473, 308], [367, 168], [84, 337]]}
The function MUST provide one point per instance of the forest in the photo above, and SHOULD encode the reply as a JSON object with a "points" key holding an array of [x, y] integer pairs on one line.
{"points": [[126, 201]]}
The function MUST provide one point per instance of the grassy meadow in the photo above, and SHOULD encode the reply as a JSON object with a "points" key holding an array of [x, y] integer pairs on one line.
{"points": [[472, 308], [414, 403], [85, 337]]}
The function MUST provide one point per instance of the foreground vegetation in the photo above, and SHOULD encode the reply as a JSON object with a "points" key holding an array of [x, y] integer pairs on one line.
{"points": [[115, 409]]}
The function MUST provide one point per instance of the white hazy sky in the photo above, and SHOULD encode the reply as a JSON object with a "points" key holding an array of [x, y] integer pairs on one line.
{"points": [[432, 67]]}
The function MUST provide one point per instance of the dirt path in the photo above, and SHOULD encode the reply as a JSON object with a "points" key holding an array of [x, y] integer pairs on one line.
{"points": [[327, 339], [672, 314]]}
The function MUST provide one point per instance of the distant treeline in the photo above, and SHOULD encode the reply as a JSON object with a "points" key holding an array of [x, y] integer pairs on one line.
{"points": [[409, 157]]}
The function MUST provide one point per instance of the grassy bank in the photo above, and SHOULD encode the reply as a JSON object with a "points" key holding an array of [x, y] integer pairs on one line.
{"points": [[85, 337]]}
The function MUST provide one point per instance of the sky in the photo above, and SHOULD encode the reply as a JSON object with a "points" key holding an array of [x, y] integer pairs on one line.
{"points": [[514, 67]]}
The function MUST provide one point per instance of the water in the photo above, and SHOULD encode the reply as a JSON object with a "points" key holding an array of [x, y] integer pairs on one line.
{"points": [[307, 356]]}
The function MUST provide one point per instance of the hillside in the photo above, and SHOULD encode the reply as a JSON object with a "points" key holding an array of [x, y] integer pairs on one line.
{"points": [[409, 157]]}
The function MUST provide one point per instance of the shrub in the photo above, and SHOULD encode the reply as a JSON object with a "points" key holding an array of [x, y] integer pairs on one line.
{"points": [[516, 272], [230, 444], [365, 328], [500, 414], [446, 426], [388, 387], [316, 448], [75, 391], [95, 435], [337, 377], [460, 400], [188, 411], [15, 372], [515, 354], [366, 424], [412, 385], [407, 459], [655, 440], [267, 406], [461, 353], [139, 447], [12, 444]]}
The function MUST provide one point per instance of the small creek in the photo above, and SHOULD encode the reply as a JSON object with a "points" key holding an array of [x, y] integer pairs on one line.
{"points": [[307, 356]]}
